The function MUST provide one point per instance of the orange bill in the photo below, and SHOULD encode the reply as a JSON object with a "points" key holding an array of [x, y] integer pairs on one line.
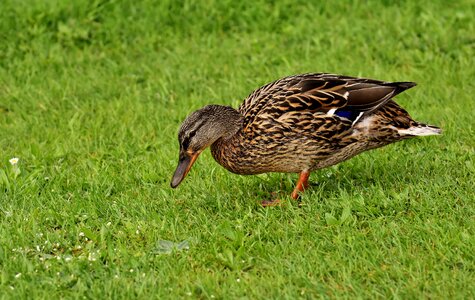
{"points": [[184, 165]]}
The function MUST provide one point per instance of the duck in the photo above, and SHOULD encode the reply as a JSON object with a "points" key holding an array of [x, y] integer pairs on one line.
{"points": [[298, 124]]}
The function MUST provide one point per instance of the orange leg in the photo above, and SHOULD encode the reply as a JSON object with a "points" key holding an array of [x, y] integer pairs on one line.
{"points": [[302, 184]]}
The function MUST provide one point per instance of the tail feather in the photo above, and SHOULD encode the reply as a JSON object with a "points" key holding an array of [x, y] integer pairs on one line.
{"points": [[420, 130]]}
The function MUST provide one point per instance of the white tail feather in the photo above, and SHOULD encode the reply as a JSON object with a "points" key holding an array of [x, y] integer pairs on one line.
{"points": [[420, 131]]}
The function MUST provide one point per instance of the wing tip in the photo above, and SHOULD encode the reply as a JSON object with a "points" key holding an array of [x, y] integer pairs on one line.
{"points": [[404, 85]]}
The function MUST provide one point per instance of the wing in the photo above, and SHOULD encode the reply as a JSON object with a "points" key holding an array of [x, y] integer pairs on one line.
{"points": [[346, 97]]}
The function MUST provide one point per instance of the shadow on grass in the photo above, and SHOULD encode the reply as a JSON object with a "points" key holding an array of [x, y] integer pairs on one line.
{"points": [[367, 174]]}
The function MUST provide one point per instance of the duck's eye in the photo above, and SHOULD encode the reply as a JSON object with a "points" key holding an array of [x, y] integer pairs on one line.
{"points": [[185, 143]]}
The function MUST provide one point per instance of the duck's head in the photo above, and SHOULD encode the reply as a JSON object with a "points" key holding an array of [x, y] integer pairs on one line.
{"points": [[201, 129]]}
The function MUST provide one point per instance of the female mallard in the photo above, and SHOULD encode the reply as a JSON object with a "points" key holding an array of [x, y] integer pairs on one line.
{"points": [[298, 124]]}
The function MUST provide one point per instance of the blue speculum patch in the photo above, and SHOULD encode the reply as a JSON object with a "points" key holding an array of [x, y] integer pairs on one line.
{"points": [[347, 114]]}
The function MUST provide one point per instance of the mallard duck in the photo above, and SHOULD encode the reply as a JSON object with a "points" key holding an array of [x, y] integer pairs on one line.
{"points": [[298, 124]]}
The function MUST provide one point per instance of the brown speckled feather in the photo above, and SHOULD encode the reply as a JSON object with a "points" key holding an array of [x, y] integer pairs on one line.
{"points": [[317, 92]]}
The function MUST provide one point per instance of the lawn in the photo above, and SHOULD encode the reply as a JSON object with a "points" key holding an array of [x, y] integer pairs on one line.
{"points": [[92, 94]]}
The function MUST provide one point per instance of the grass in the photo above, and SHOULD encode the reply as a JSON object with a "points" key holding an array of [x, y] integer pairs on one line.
{"points": [[91, 97]]}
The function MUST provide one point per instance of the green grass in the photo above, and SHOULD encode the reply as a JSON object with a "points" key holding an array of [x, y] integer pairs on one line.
{"points": [[92, 94]]}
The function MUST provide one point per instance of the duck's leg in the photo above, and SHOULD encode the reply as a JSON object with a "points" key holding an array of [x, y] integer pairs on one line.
{"points": [[302, 184]]}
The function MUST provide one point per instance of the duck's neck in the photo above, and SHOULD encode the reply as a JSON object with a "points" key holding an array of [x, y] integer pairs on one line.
{"points": [[225, 148], [227, 122]]}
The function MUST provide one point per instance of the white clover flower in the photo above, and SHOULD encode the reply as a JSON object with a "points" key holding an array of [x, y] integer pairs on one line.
{"points": [[91, 257], [14, 161]]}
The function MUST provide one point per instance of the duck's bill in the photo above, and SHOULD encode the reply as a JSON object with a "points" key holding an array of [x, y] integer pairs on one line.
{"points": [[184, 165]]}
